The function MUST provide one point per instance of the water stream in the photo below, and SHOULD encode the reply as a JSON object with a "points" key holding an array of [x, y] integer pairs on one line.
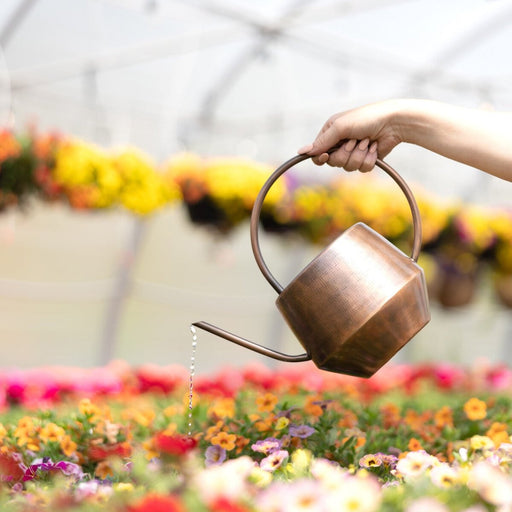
{"points": [[191, 378]]}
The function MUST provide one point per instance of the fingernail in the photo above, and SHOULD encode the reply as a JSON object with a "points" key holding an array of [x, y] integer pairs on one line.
{"points": [[350, 145], [373, 147], [363, 144], [323, 158], [305, 149]]}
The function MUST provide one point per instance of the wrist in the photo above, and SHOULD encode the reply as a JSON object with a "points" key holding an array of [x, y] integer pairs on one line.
{"points": [[413, 119]]}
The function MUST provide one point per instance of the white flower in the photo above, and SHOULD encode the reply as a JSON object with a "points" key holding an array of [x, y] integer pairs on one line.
{"points": [[426, 504], [228, 480], [301, 495], [328, 473], [444, 475], [491, 483], [356, 494], [415, 464]]}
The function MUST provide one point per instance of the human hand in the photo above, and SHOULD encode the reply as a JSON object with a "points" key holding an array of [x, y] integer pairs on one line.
{"points": [[362, 135]]}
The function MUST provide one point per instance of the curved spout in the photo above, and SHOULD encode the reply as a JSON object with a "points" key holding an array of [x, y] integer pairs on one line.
{"points": [[250, 345]]}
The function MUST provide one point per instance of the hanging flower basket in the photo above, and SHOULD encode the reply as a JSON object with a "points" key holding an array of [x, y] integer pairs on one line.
{"points": [[205, 212], [455, 284], [503, 289]]}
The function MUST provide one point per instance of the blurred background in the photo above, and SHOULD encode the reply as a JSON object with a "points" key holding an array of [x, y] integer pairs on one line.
{"points": [[234, 79]]}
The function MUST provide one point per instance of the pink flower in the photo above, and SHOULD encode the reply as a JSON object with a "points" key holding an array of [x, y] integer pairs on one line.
{"points": [[302, 431], [267, 446], [274, 460], [214, 455]]}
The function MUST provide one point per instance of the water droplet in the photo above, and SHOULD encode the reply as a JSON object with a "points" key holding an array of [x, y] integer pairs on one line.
{"points": [[191, 378]]}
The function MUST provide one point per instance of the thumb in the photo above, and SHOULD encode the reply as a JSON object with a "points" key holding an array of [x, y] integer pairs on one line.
{"points": [[325, 141]]}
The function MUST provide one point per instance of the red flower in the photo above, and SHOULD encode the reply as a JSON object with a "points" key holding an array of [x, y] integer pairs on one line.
{"points": [[158, 503], [174, 445], [225, 505], [11, 468], [105, 451]]}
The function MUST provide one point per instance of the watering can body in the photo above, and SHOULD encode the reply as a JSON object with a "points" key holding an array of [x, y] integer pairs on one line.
{"points": [[356, 304], [356, 333]]}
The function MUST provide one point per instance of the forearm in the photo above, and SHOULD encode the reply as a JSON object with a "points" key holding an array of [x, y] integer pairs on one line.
{"points": [[481, 139]]}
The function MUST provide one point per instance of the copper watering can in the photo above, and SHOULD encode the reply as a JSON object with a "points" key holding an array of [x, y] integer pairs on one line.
{"points": [[356, 304]]}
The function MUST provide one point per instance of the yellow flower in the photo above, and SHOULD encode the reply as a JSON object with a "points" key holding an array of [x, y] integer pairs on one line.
{"points": [[31, 443], [173, 410], [266, 402], [170, 429], [25, 424], [143, 416], [26, 434], [51, 433], [151, 451], [123, 487], [3, 432], [144, 189], [481, 443], [259, 477], [475, 409], [224, 440], [87, 408], [282, 423], [300, 461]]}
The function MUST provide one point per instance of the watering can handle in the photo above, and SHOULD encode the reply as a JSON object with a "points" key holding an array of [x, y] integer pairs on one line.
{"points": [[256, 211]]}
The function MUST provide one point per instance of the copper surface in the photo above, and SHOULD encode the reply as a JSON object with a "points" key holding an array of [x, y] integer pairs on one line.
{"points": [[356, 304]]}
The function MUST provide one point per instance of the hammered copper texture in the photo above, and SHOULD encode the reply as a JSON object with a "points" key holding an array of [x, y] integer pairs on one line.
{"points": [[357, 303]]}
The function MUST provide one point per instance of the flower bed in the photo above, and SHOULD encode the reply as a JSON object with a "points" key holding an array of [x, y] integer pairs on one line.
{"points": [[410, 438]]}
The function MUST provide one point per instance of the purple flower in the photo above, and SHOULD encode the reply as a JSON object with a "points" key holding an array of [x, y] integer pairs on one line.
{"points": [[47, 465], [301, 431], [266, 446], [214, 455], [274, 460]]}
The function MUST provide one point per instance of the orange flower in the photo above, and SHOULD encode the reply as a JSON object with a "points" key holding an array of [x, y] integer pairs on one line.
{"points": [[213, 430], [241, 443], [475, 409], [265, 424], [444, 417], [222, 408], [266, 402], [348, 420], [9, 146], [415, 420], [312, 407], [414, 445], [104, 470], [68, 446], [498, 433], [390, 415], [224, 440]]}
